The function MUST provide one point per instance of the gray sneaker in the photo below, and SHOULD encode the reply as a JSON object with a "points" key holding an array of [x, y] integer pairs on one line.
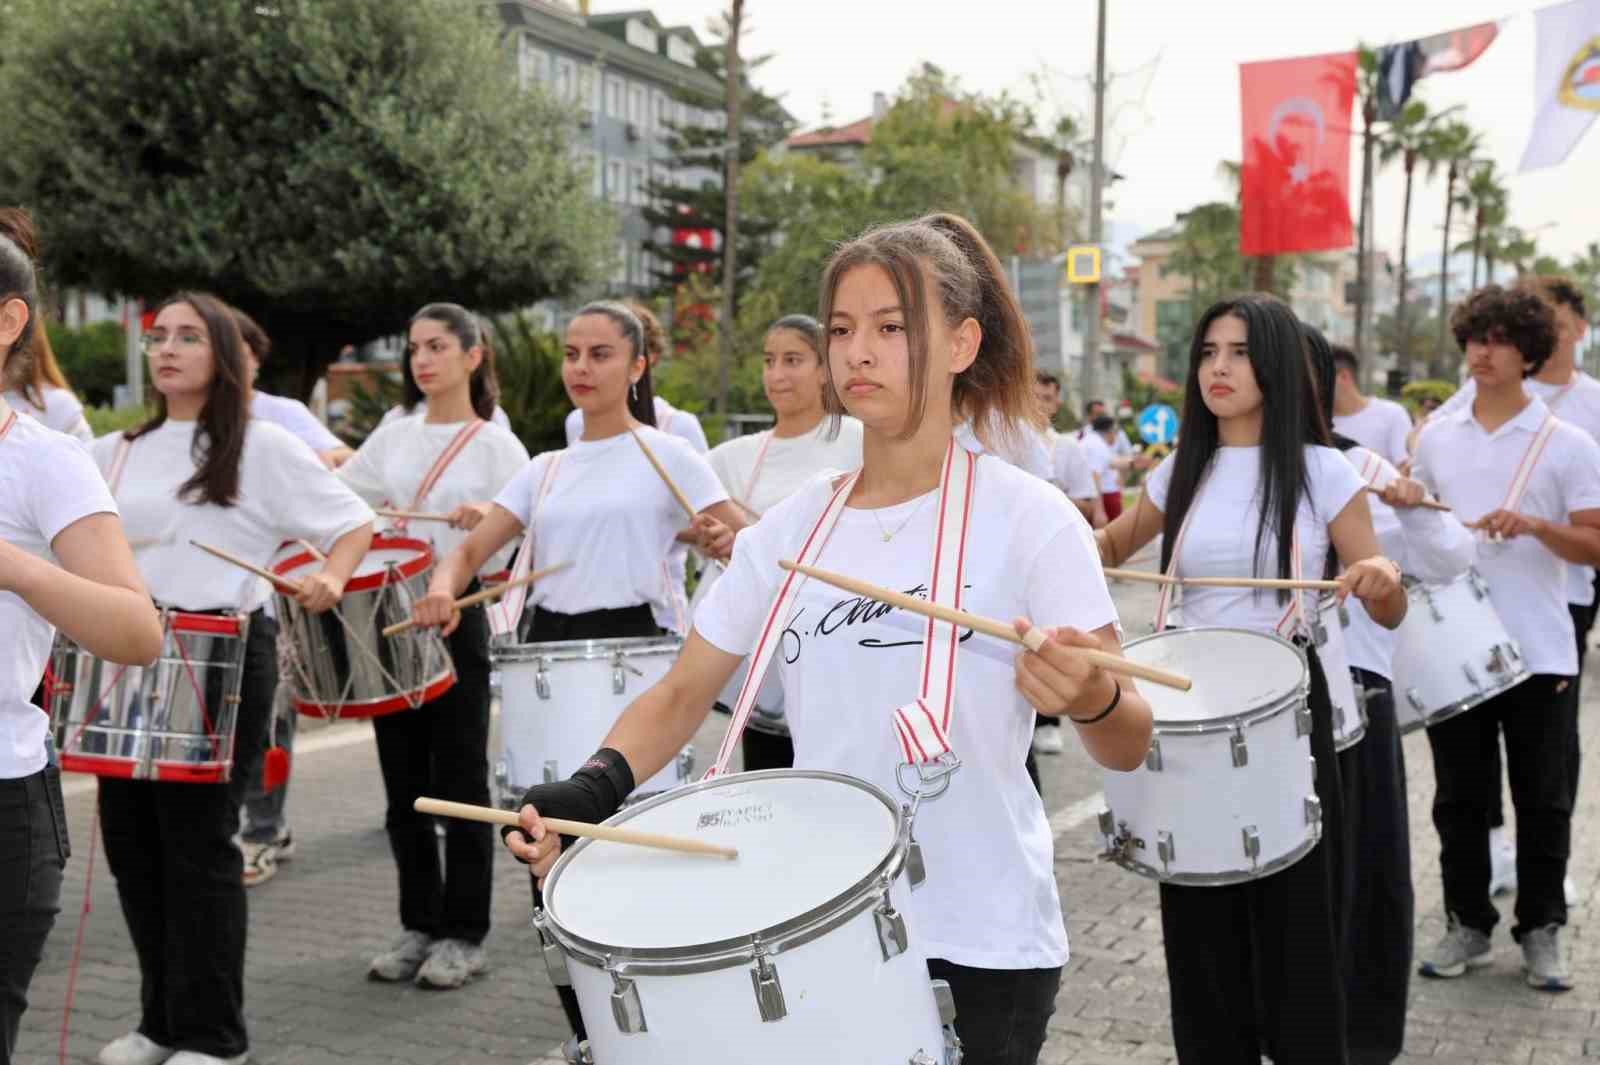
{"points": [[451, 963], [1543, 962], [402, 959], [1462, 948]]}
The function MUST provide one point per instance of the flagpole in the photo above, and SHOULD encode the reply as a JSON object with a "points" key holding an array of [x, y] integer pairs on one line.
{"points": [[1364, 233], [1091, 291]]}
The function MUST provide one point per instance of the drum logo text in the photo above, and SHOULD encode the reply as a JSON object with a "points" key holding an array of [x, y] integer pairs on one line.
{"points": [[733, 816]]}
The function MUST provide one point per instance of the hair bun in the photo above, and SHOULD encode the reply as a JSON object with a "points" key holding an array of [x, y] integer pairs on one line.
{"points": [[17, 224]]}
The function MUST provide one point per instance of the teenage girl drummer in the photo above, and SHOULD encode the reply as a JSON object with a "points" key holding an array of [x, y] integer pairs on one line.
{"points": [[923, 333], [63, 563], [1250, 488]]}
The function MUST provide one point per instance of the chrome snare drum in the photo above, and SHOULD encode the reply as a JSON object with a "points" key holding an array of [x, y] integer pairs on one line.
{"points": [[1227, 793], [559, 699], [171, 721], [1453, 652], [342, 666], [762, 960], [1349, 709]]}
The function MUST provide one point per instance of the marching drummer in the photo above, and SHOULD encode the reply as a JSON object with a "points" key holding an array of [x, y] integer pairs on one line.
{"points": [[201, 469], [1251, 486], [599, 506], [451, 460], [63, 563], [989, 911], [1529, 484], [45, 394], [761, 470]]}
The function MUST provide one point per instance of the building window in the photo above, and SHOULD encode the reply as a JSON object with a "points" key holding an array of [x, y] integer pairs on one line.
{"points": [[614, 104], [680, 50], [566, 78], [590, 165], [663, 110], [586, 88], [615, 188], [619, 274], [639, 35], [636, 105], [640, 195], [532, 63]]}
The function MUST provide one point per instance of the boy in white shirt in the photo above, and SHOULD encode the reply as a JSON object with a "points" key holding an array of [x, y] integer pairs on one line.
{"points": [[1377, 424], [1530, 485]]}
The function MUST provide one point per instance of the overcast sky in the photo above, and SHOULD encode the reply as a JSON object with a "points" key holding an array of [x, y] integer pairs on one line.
{"points": [[1175, 110]]}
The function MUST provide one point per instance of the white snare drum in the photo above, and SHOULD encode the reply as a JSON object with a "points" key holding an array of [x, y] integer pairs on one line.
{"points": [[171, 721], [768, 714], [1349, 711], [342, 664], [1227, 793], [559, 699], [1453, 652], [769, 959]]}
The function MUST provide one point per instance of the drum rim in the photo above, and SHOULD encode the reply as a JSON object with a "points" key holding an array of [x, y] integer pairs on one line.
{"points": [[1254, 715], [1422, 589], [581, 650], [372, 582], [1221, 879], [742, 949]]}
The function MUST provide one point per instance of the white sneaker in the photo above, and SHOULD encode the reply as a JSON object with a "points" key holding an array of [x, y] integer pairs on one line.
{"points": [[1047, 739], [402, 959], [451, 963], [191, 1057], [133, 1049], [1502, 863]]}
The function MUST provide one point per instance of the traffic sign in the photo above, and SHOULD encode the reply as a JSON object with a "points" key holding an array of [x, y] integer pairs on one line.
{"points": [[1158, 424], [1083, 264]]}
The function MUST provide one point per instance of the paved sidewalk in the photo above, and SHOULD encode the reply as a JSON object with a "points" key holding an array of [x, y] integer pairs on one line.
{"points": [[314, 927]]}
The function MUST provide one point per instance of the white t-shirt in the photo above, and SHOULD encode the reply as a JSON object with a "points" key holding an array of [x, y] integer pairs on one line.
{"points": [[295, 417], [284, 494], [990, 898], [610, 516], [62, 412], [1578, 404], [1471, 470], [788, 462], [1023, 448], [1429, 545], [47, 483], [1099, 455], [669, 419], [1381, 426], [1221, 536], [399, 411], [389, 468], [1072, 473]]}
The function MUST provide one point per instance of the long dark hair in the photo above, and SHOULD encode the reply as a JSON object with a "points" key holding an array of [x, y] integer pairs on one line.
{"points": [[19, 279], [1324, 372], [642, 396], [1288, 423], [220, 429], [484, 385]]}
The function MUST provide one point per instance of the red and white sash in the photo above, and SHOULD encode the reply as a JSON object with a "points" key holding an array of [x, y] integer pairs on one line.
{"points": [[8, 418], [755, 473], [1530, 461], [119, 461], [451, 452], [504, 614], [922, 726]]}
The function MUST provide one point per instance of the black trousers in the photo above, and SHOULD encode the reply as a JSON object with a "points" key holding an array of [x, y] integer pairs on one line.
{"points": [[442, 749], [179, 879], [1378, 898], [1256, 966], [763, 750], [1582, 621], [1537, 719], [1000, 1013], [33, 853], [546, 627]]}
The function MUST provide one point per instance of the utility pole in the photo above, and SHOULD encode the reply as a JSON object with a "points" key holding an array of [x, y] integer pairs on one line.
{"points": [[1097, 175], [730, 232], [1369, 108], [133, 317]]}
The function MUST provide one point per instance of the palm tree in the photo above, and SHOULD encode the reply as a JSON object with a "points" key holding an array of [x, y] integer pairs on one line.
{"points": [[1455, 145], [1066, 137], [1487, 199], [1412, 138], [1520, 250]]}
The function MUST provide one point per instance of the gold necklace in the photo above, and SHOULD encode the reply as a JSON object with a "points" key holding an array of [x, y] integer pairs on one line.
{"points": [[887, 535]]}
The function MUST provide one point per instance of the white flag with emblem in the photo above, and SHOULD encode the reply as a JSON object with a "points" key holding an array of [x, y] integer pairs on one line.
{"points": [[1566, 81]]}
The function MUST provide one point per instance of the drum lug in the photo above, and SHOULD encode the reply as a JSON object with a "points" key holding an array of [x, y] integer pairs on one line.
{"points": [[892, 938], [1472, 675], [619, 679], [1252, 843], [1319, 632], [686, 764], [1480, 587], [945, 999], [1152, 758], [1166, 849], [952, 1046], [555, 959], [1302, 722], [576, 1053], [1239, 748], [1497, 659], [1313, 810], [1344, 616], [1433, 608], [1415, 699], [626, 1009], [541, 680], [916, 869], [1338, 718], [1515, 651], [502, 781], [552, 771], [768, 989]]}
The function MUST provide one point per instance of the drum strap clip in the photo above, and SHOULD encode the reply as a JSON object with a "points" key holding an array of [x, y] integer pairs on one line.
{"points": [[931, 778]]}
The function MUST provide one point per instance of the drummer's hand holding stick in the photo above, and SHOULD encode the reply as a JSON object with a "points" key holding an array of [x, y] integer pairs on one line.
{"points": [[713, 538], [321, 591], [1113, 720], [492, 530], [1576, 540], [468, 515]]}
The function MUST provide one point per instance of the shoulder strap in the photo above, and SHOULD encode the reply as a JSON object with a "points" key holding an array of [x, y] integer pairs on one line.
{"points": [[1530, 461], [451, 452], [505, 614], [119, 459], [755, 471]]}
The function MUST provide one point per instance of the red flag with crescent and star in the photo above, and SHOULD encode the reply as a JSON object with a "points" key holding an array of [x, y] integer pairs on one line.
{"points": [[1295, 169]]}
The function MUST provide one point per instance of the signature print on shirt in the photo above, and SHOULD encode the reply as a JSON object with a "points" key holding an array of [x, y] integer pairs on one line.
{"points": [[846, 613]]}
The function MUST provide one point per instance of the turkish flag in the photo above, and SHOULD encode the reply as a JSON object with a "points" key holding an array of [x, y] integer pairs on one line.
{"points": [[1295, 174]]}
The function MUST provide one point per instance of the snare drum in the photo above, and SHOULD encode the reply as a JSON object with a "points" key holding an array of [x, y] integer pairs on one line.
{"points": [[342, 664], [1349, 710], [171, 721], [559, 699], [768, 714], [765, 960], [1227, 793], [1453, 652]]}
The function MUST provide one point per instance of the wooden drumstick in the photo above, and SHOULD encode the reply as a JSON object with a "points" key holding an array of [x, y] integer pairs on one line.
{"points": [[1033, 639], [492, 816], [409, 515], [1275, 583], [282, 582], [482, 596], [677, 493], [1427, 504], [311, 549], [1139, 575]]}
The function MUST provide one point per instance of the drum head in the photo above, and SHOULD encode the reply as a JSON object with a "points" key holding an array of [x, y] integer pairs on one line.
{"points": [[1235, 672], [408, 557], [805, 839]]}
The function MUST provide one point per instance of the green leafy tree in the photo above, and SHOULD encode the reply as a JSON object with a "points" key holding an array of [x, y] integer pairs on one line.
{"points": [[1486, 198], [527, 363], [1412, 138], [818, 203], [94, 358], [1456, 146], [328, 167]]}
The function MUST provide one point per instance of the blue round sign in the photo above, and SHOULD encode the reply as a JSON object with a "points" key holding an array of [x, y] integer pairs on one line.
{"points": [[1158, 424]]}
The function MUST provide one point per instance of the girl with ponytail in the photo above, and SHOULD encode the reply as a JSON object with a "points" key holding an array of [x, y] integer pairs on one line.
{"points": [[922, 333], [47, 396]]}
